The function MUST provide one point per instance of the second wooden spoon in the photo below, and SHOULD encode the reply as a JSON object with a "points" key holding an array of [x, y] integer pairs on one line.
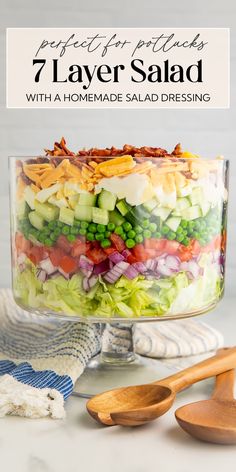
{"points": [[212, 420]]}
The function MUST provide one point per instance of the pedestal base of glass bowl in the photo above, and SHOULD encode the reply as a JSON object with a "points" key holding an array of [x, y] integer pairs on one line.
{"points": [[100, 376], [118, 365]]}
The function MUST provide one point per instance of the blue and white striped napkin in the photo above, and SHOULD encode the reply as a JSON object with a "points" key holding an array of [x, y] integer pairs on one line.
{"points": [[41, 359]]}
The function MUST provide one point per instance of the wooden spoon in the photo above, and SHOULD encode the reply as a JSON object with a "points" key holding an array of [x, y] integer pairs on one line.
{"points": [[136, 405], [212, 420]]}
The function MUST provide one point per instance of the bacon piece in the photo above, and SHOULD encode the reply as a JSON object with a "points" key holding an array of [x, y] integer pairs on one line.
{"points": [[60, 149], [177, 150], [127, 149]]}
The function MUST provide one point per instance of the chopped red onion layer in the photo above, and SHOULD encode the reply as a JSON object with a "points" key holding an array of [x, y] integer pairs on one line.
{"points": [[115, 273], [86, 265], [216, 255], [162, 268], [85, 284], [55, 275], [140, 267], [21, 258], [151, 265], [47, 265], [131, 272], [116, 257], [126, 253], [22, 267], [102, 267], [89, 282], [173, 263], [193, 268], [92, 281], [41, 275], [184, 266]]}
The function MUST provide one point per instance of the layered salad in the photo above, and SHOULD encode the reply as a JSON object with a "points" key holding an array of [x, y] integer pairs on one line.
{"points": [[111, 233]]}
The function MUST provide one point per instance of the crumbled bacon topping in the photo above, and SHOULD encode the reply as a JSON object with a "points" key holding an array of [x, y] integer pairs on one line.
{"points": [[60, 150]]}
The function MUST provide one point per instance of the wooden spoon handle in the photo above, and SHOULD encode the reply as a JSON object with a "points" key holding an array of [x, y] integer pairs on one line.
{"points": [[224, 360], [224, 386]]}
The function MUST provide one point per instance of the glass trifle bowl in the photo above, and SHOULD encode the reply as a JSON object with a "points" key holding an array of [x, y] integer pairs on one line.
{"points": [[118, 237]]}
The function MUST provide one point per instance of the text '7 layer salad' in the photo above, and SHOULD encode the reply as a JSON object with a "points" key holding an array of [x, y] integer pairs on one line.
{"points": [[132, 232]]}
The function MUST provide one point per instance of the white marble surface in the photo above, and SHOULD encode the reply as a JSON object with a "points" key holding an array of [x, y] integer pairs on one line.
{"points": [[78, 443]]}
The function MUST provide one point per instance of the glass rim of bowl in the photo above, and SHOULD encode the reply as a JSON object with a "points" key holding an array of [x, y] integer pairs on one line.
{"points": [[62, 316]]}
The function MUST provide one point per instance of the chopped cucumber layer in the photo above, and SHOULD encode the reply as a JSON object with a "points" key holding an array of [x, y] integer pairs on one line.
{"points": [[100, 216], [87, 199], [47, 211], [83, 213], [192, 213], [107, 200], [123, 207], [173, 222], [116, 218], [36, 220], [67, 216], [150, 205], [162, 212]]}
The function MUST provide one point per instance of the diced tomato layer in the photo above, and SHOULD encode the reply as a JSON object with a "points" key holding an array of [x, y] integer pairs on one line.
{"points": [[195, 247], [215, 244], [117, 242], [37, 254], [96, 245], [157, 244], [55, 255], [78, 248], [64, 244], [96, 255], [68, 264], [218, 242], [151, 253], [22, 244], [131, 259], [26, 245], [184, 254], [160, 247], [171, 247], [140, 253], [209, 247], [18, 241], [88, 246], [109, 250], [153, 248]]}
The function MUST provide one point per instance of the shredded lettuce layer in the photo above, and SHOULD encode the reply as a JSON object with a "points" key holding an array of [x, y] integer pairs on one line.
{"points": [[126, 298]]}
